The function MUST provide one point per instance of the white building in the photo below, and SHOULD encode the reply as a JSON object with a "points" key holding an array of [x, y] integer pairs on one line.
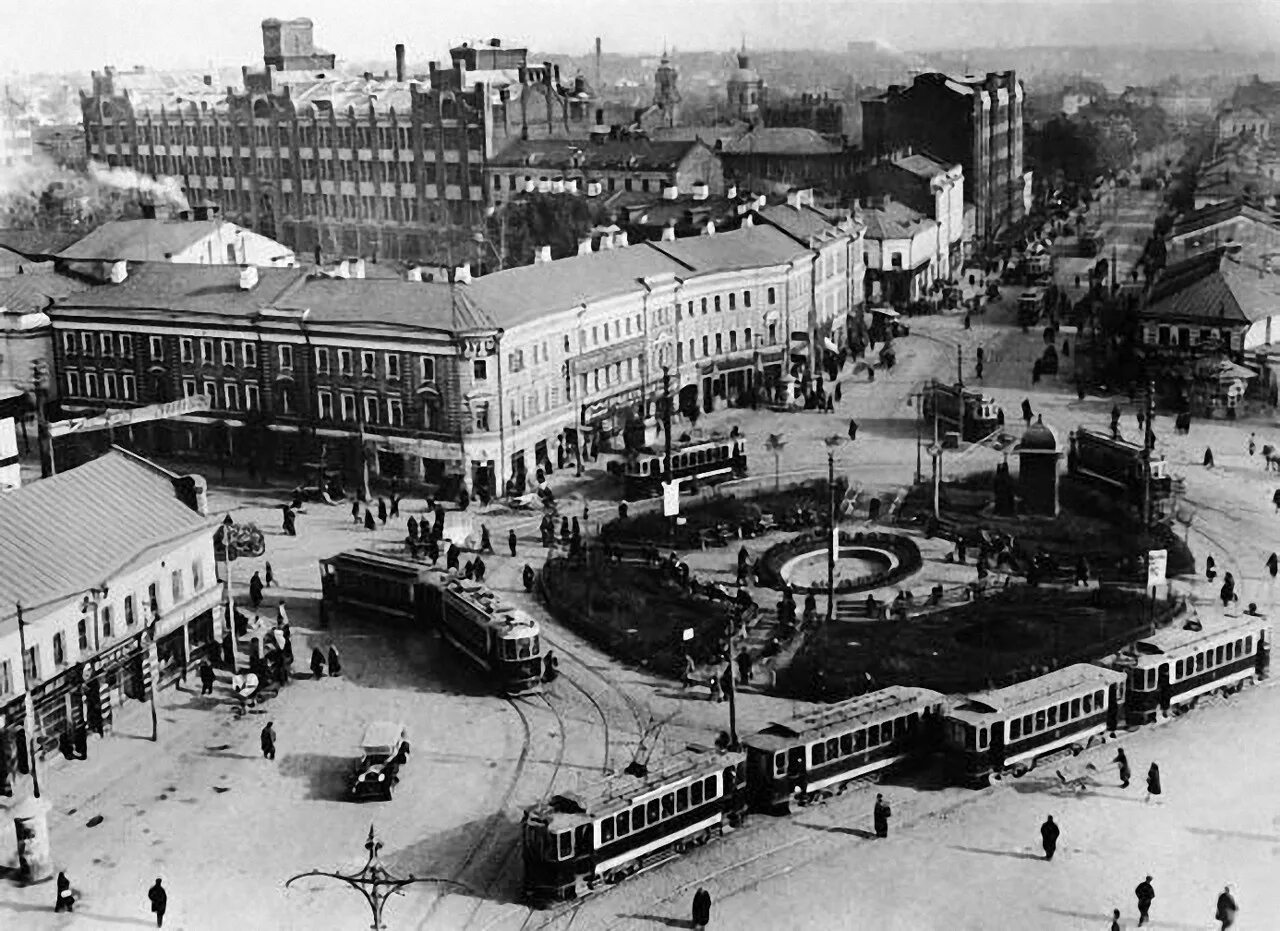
{"points": [[110, 568], [12, 406], [901, 247]]}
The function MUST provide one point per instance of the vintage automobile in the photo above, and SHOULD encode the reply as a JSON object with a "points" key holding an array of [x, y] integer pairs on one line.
{"points": [[384, 749]]}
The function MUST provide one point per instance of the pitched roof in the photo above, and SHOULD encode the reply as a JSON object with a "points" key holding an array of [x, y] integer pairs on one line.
{"points": [[32, 293], [803, 223], [38, 242], [1214, 214], [744, 248], [13, 263], [782, 140], [560, 154], [433, 305], [923, 165], [140, 240], [1215, 285], [62, 535], [895, 220], [518, 295], [193, 289]]}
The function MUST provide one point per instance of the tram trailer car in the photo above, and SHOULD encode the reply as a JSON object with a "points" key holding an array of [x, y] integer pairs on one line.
{"points": [[1172, 668], [703, 462], [381, 583], [629, 822], [962, 409], [1117, 463], [819, 753], [1009, 729]]}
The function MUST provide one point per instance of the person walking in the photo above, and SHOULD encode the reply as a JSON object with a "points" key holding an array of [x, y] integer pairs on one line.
{"points": [[717, 694], [270, 574], [1273, 564], [1000, 417], [1153, 782], [159, 899], [355, 511], [206, 677], [880, 816], [836, 392], [395, 506], [269, 741], [1146, 895], [528, 577], [255, 590], [1122, 762], [689, 671], [486, 544], [479, 567], [452, 557], [1115, 920], [853, 429], [744, 666], [317, 663], [335, 661], [1253, 445], [1227, 909], [382, 512], [1208, 458], [64, 900], [368, 520], [1210, 568], [411, 526], [511, 541], [1049, 837], [1026, 411], [702, 909]]}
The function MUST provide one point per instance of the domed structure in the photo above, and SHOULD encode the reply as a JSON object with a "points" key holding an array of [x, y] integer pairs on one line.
{"points": [[745, 89], [1038, 455], [1039, 437], [666, 91]]}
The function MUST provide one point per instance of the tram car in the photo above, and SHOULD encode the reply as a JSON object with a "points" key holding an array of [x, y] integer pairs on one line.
{"points": [[701, 462], [1172, 668], [819, 753], [961, 409], [630, 822], [1117, 463], [1010, 729], [501, 639]]}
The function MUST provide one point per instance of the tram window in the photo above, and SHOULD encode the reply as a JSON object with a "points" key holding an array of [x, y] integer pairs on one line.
{"points": [[566, 845], [1062, 711], [709, 787], [695, 794], [1075, 707], [1026, 724], [651, 811], [1230, 652], [1015, 728], [1097, 698], [819, 754], [623, 823], [982, 738], [899, 726], [1208, 658], [1219, 656], [873, 736], [1040, 720], [682, 798], [637, 818], [668, 805], [913, 721], [1199, 662], [606, 830], [1088, 704], [1239, 647], [860, 740], [1177, 669], [846, 744], [833, 748], [1248, 645], [779, 764], [1053, 716]]}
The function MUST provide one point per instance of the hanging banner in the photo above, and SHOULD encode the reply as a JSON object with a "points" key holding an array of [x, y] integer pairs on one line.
{"points": [[1157, 565], [670, 498]]}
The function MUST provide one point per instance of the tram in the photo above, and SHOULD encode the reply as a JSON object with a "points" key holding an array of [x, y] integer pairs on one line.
{"points": [[1117, 463], [700, 462]]}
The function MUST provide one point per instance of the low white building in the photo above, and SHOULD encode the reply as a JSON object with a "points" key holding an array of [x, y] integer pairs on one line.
{"points": [[901, 247], [109, 570], [13, 405]]}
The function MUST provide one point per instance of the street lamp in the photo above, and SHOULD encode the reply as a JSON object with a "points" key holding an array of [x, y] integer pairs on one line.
{"points": [[775, 444], [833, 443], [28, 709], [374, 881], [228, 554]]}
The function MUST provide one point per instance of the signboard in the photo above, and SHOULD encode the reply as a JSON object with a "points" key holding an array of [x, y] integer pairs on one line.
{"points": [[835, 542], [1157, 565], [124, 417], [687, 634], [670, 498]]}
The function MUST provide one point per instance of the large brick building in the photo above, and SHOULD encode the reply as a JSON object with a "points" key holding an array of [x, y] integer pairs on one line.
{"points": [[388, 166], [973, 121]]}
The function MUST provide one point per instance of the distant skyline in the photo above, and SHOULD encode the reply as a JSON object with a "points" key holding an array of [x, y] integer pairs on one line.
{"points": [[68, 35]]}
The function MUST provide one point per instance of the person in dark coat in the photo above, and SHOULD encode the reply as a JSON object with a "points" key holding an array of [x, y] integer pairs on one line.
{"points": [[1228, 591], [486, 545], [1026, 411], [159, 902], [368, 520], [269, 742], [1000, 417], [382, 512], [317, 663], [1208, 458], [469, 570], [880, 815], [702, 909], [511, 541], [355, 511], [335, 661], [412, 526], [565, 533], [1146, 894], [836, 392], [270, 575], [289, 522], [433, 551], [1122, 762], [255, 590], [1210, 568], [395, 506], [853, 429], [479, 569], [452, 556], [1227, 908], [65, 901], [206, 677], [744, 665], [1153, 781], [1049, 837], [527, 576]]}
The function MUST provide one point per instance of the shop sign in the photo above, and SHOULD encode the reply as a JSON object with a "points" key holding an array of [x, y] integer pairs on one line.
{"points": [[597, 410], [117, 654]]}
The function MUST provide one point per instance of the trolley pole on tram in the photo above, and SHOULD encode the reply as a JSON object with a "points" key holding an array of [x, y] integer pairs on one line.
{"points": [[28, 709]]}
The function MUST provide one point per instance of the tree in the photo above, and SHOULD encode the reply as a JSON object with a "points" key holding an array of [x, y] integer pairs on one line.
{"points": [[560, 221]]}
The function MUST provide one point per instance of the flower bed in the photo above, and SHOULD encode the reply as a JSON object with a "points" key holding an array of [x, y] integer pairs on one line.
{"points": [[904, 549]]}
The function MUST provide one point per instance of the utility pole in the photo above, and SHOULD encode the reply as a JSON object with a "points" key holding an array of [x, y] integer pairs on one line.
{"points": [[919, 417], [1148, 405], [43, 438], [833, 543], [666, 431], [28, 709], [936, 454], [734, 620], [960, 365]]}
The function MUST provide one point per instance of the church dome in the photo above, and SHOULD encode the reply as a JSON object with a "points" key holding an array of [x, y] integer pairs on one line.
{"points": [[744, 74], [1039, 438]]}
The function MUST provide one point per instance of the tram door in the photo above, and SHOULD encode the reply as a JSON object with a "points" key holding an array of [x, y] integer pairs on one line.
{"points": [[1166, 692], [1264, 654], [1113, 708], [796, 767], [997, 745]]}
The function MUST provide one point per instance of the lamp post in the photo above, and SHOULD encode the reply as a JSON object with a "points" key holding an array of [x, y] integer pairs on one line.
{"points": [[833, 442], [919, 398], [775, 444], [155, 670], [666, 435], [28, 709], [228, 554]]}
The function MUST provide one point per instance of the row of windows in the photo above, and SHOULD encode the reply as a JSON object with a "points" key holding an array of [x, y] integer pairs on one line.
{"points": [[232, 397], [771, 340], [1054, 715], [607, 375], [1164, 336], [368, 363], [610, 182], [771, 297], [105, 385], [85, 343], [655, 465], [1205, 659], [658, 809], [373, 408], [319, 135], [865, 738]]}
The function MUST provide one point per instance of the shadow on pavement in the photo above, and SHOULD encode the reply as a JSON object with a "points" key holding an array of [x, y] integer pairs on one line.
{"points": [[663, 920], [325, 775], [1100, 917], [97, 919], [838, 829], [1012, 854], [493, 873]]}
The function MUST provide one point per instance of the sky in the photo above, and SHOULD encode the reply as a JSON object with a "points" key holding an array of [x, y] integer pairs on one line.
{"points": [[70, 35]]}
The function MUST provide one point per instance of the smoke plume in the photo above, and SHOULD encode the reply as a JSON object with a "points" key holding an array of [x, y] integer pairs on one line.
{"points": [[44, 195], [165, 191]]}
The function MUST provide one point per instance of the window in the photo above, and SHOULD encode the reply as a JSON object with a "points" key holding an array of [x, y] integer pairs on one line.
{"points": [[717, 303], [393, 366], [733, 301], [637, 817], [31, 664], [325, 400], [651, 811], [231, 396], [1053, 716], [1218, 656], [104, 617], [606, 830], [82, 634], [746, 299], [59, 649], [819, 754], [197, 576], [1015, 729], [719, 343], [250, 353], [668, 805], [129, 387], [1075, 708], [1199, 662], [1097, 700], [69, 342], [348, 407], [480, 370], [709, 787], [395, 412], [429, 367], [1248, 645], [104, 343], [772, 296], [252, 399], [153, 599], [705, 344], [126, 345], [86, 343], [695, 794], [90, 385], [704, 305], [733, 340], [1040, 720], [623, 823], [368, 365], [371, 408], [206, 352], [6, 677], [285, 355], [860, 740], [682, 795], [175, 580], [873, 735], [188, 387], [322, 360], [1088, 704], [228, 352], [773, 334], [185, 351], [109, 384]]}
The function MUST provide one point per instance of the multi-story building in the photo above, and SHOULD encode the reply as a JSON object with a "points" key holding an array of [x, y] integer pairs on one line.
{"points": [[27, 290], [17, 145], [839, 270], [13, 405], [1231, 223], [817, 110], [109, 568], [901, 246], [972, 121], [370, 166], [745, 90], [1232, 123], [931, 187], [792, 156]]}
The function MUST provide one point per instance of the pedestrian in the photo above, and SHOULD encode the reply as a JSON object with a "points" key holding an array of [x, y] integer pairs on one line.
{"points": [[880, 815], [469, 570], [511, 541], [255, 590], [64, 901], [527, 576], [479, 568], [689, 670], [1122, 762], [1049, 837], [853, 429], [368, 520], [1227, 908], [452, 556], [1115, 416], [206, 677], [1273, 564], [282, 617], [1153, 782], [271, 576], [1228, 591], [836, 392], [486, 545], [967, 322], [288, 522], [1026, 411], [1000, 417], [978, 370], [411, 525], [1252, 443], [717, 694], [702, 909], [744, 665], [355, 511], [1208, 458], [564, 531], [317, 663], [335, 661], [1115, 920], [1036, 369], [159, 902], [1146, 893], [1210, 568], [269, 741], [395, 506]]}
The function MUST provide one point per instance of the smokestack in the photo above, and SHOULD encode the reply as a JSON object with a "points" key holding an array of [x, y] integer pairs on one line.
{"points": [[119, 271], [598, 52], [541, 255], [248, 277], [400, 61]]}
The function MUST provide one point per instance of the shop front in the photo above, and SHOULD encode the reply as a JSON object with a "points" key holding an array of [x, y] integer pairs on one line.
{"points": [[604, 419]]}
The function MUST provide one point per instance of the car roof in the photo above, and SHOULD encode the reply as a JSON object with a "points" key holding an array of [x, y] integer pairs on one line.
{"points": [[382, 734]]}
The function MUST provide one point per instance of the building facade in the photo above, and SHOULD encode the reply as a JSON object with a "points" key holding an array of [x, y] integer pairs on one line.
{"points": [[901, 246], [972, 121], [745, 90], [929, 187], [1232, 223]]}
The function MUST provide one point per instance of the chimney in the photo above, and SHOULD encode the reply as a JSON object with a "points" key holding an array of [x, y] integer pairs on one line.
{"points": [[557, 184], [793, 199], [541, 254], [593, 188], [709, 229], [620, 239], [148, 210], [528, 185], [731, 191], [462, 274], [748, 221], [399, 61], [248, 277], [357, 268], [571, 185], [670, 191], [544, 186], [414, 274], [669, 231], [119, 271], [700, 190]]}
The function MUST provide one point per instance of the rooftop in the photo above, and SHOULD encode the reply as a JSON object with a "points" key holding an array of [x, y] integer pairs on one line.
{"points": [[63, 535], [636, 154], [894, 220], [1214, 214], [32, 293], [782, 140], [1043, 690], [1225, 285], [38, 242], [743, 248], [923, 165], [142, 240], [803, 223], [193, 289]]}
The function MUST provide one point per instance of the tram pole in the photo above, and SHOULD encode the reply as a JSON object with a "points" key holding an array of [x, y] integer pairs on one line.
{"points": [[919, 417], [28, 709], [734, 620], [666, 432], [960, 365]]}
